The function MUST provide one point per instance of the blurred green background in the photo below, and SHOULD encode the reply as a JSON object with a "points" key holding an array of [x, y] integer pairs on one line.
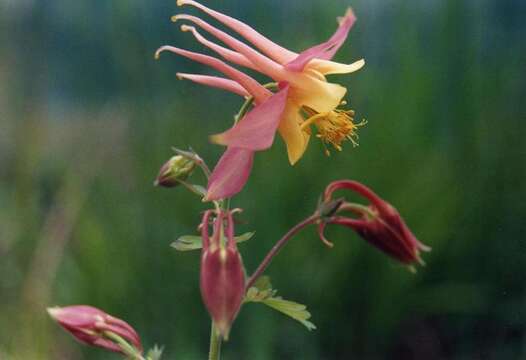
{"points": [[87, 116]]}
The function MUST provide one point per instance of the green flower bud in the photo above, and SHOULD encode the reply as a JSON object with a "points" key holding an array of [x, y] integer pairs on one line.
{"points": [[177, 169]]}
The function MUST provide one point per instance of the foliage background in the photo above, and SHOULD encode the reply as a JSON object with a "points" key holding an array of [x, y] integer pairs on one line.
{"points": [[87, 116]]}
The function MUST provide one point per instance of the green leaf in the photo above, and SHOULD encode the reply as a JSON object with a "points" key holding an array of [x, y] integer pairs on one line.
{"points": [[194, 242], [154, 353], [200, 189], [262, 292], [292, 309], [263, 283], [187, 242], [244, 237]]}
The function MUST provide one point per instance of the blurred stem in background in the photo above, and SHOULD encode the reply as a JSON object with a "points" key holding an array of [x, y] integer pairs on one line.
{"points": [[53, 239]]}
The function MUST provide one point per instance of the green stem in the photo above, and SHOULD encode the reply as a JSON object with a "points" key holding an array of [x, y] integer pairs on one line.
{"points": [[215, 344], [193, 156], [191, 188], [130, 352], [250, 100], [244, 109]]}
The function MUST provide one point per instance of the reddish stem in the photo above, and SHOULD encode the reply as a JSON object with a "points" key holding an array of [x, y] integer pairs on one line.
{"points": [[204, 229], [360, 189], [277, 247]]}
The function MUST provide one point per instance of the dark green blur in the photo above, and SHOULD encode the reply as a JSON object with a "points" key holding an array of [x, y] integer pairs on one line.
{"points": [[87, 117]]}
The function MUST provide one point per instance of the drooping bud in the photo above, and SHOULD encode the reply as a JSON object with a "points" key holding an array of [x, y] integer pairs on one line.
{"points": [[94, 327], [222, 272], [380, 224], [177, 169]]}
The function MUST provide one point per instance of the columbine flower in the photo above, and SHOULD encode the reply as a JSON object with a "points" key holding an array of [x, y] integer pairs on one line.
{"points": [[306, 100], [94, 327], [379, 223], [222, 272]]}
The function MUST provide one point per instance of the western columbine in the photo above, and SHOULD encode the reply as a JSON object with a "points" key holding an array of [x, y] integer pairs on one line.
{"points": [[379, 223], [305, 98]]}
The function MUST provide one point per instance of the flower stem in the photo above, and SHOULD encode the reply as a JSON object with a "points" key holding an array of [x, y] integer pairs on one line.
{"points": [[191, 188], [250, 100], [130, 352], [277, 247], [193, 156], [244, 109], [215, 344]]}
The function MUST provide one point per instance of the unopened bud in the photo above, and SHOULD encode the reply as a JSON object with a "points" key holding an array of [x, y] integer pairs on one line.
{"points": [[380, 224], [94, 327], [222, 275], [389, 233], [177, 169]]}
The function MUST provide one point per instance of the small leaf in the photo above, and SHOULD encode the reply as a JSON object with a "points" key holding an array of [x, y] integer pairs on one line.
{"points": [[200, 189], [188, 154], [255, 295], [244, 237], [194, 242], [154, 353], [251, 295], [187, 242], [262, 292], [292, 309], [263, 283]]}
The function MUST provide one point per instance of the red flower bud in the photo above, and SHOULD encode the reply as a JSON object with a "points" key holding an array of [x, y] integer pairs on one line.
{"points": [[222, 273], [94, 327], [379, 223]]}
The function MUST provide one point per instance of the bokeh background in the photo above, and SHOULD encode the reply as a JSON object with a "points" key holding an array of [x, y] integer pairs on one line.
{"points": [[87, 116]]}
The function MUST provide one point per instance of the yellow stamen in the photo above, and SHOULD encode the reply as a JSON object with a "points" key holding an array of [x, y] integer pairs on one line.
{"points": [[333, 127]]}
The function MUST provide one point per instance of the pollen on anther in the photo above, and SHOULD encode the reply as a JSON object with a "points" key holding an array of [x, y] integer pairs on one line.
{"points": [[333, 127]]}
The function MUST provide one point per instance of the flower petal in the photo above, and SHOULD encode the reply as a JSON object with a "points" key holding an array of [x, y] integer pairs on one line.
{"points": [[227, 54], [255, 89], [327, 67], [327, 49], [320, 95], [289, 129], [215, 81], [268, 47], [264, 64], [230, 174], [257, 129]]}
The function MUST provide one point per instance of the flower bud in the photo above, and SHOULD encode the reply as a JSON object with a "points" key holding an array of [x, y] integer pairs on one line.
{"points": [[222, 274], [94, 327], [380, 224], [178, 168]]}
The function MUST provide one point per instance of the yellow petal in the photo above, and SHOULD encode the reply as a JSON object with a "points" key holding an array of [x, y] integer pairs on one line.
{"points": [[289, 129], [317, 94], [330, 67]]}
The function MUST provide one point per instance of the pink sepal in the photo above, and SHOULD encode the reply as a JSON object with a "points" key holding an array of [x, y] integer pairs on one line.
{"points": [[326, 50], [257, 129], [230, 174]]}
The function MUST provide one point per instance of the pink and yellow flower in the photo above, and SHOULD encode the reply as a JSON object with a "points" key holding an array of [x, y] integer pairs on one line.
{"points": [[305, 100]]}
